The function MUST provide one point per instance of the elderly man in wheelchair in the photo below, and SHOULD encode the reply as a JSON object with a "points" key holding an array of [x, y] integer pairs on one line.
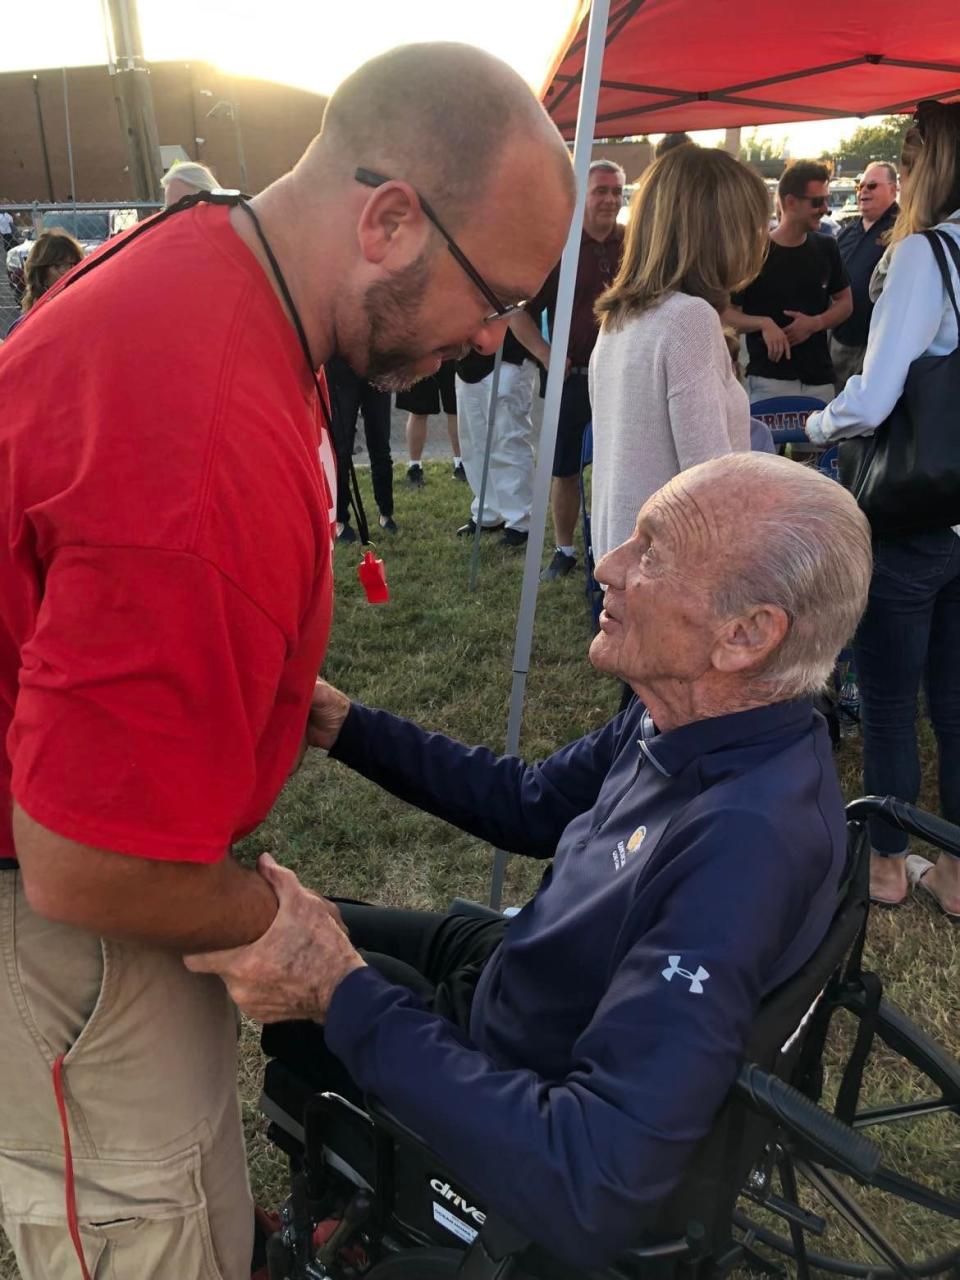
{"points": [[548, 1095]]}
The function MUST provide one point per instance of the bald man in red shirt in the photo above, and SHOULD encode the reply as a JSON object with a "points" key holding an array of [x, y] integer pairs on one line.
{"points": [[165, 600]]}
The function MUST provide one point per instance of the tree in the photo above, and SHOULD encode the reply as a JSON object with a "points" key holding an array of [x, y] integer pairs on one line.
{"points": [[755, 149], [869, 142]]}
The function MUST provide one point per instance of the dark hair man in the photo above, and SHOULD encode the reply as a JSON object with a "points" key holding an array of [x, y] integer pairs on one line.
{"points": [[165, 600], [671, 140], [801, 293], [862, 243], [567, 1062], [601, 248]]}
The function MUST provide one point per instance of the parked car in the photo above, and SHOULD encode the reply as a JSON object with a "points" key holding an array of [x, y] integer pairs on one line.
{"points": [[90, 226]]}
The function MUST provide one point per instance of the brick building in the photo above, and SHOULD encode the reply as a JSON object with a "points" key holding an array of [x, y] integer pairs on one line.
{"points": [[276, 121]]}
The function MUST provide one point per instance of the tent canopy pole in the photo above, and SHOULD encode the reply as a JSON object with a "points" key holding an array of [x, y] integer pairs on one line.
{"points": [[582, 151]]}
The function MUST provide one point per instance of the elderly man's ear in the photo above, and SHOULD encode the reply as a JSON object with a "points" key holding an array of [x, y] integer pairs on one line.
{"points": [[746, 643]]}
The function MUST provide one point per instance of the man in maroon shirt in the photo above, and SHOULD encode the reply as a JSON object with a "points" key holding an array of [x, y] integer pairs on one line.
{"points": [[601, 249], [165, 598]]}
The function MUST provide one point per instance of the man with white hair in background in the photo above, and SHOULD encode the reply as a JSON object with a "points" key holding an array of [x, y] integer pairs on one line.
{"points": [[565, 1063], [186, 179], [862, 242]]}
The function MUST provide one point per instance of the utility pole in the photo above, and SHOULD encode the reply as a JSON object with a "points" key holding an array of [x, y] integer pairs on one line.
{"points": [[134, 97]]}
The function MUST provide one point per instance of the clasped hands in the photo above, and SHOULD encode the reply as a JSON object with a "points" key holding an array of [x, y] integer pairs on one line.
{"points": [[292, 970], [779, 341]]}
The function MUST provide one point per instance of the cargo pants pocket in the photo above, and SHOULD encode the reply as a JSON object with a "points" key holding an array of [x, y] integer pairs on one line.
{"points": [[139, 1219]]}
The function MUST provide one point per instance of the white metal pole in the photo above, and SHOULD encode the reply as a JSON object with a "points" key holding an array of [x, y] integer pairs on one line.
{"points": [[487, 448], [582, 151]]}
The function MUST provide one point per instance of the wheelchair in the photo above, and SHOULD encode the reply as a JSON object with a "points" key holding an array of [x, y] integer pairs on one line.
{"points": [[792, 1142]]}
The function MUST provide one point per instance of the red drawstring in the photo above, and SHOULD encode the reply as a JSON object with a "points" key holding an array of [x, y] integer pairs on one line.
{"points": [[70, 1190]]}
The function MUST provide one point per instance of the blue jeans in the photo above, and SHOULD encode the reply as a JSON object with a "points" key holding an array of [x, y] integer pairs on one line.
{"points": [[910, 634]]}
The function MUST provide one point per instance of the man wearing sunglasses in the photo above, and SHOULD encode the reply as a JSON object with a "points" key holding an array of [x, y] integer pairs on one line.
{"points": [[862, 242], [801, 293]]}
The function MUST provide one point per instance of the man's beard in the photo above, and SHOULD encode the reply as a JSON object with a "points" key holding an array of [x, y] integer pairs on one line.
{"points": [[391, 307]]}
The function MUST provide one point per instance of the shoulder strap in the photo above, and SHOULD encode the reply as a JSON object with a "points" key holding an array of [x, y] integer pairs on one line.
{"points": [[936, 240]]}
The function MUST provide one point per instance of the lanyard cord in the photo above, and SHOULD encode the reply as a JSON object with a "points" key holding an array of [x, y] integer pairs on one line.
{"points": [[341, 445], [345, 454]]}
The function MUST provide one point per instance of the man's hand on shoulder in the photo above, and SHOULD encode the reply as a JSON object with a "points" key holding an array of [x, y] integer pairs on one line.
{"points": [[328, 710], [294, 969]]}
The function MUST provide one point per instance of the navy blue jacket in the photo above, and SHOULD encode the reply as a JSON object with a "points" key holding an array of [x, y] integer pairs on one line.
{"points": [[694, 871], [861, 251]]}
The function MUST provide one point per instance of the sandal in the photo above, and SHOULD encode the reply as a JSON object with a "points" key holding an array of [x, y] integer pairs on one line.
{"points": [[917, 869]]}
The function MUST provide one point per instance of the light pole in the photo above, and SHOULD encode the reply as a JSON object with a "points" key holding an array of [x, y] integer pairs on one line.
{"points": [[134, 98], [226, 110]]}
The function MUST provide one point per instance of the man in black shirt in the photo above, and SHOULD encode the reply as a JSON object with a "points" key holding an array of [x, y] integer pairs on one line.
{"points": [[862, 241], [802, 291]]}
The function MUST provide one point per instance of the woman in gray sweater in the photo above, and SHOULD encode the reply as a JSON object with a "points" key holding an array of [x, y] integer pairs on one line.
{"points": [[662, 389]]}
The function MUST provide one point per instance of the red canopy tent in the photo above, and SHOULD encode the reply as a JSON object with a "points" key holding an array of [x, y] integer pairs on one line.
{"points": [[708, 64]]}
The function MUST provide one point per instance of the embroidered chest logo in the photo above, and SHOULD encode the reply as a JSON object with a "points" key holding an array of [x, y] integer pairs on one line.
{"points": [[619, 854], [696, 980]]}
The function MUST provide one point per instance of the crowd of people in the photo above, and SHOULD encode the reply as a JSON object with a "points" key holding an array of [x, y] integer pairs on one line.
{"points": [[166, 602]]}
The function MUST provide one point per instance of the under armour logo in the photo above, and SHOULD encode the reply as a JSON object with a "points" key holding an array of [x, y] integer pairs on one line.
{"points": [[696, 980]]}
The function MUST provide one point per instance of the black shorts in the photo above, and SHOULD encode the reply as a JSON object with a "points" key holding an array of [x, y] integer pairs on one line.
{"points": [[574, 416], [432, 393]]}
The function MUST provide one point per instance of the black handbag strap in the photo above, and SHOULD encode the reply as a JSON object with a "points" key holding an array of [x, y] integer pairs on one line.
{"points": [[937, 240]]}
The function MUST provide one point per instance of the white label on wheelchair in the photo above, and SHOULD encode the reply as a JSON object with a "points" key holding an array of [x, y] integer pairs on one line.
{"points": [[450, 1221], [446, 1219]]}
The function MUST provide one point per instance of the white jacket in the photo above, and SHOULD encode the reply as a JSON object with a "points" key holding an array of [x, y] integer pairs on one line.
{"points": [[914, 317]]}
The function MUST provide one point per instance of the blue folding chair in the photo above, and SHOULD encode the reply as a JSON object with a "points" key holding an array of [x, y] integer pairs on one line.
{"points": [[785, 416], [592, 589]]}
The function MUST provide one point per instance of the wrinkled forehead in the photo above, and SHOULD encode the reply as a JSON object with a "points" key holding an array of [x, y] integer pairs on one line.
{"points": [[685, 520], [603, 178]]}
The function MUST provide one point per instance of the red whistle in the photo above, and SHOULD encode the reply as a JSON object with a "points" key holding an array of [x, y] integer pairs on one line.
{"points": [[373, 579]]}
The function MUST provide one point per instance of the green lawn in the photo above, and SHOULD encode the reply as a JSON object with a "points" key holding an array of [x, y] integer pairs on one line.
{"points": [[442, 656]]}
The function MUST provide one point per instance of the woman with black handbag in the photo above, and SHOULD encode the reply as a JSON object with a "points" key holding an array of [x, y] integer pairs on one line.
{"points": [[901, 417]]}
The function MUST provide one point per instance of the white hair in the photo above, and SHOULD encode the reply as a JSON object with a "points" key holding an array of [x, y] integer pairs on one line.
{"points": [[804, 546], [195, 175], [610, 166]]}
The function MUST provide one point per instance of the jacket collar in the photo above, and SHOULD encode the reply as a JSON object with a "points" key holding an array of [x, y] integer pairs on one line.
{"points": [[670, 753]]}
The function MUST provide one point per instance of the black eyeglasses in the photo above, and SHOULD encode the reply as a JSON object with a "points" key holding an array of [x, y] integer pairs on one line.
{"points": [[818, 202], [500, 311], [872, 186]]}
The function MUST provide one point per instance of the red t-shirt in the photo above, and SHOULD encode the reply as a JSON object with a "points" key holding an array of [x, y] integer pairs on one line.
{"points": [[165, 560]]}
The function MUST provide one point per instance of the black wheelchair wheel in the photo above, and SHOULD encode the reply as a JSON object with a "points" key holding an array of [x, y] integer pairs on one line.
{"points": [[845, 1229], [418, 1264]]}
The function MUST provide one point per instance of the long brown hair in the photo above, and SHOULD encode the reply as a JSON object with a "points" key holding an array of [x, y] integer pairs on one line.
{"points": [[51, 249], [698, 225], [934, 190]]}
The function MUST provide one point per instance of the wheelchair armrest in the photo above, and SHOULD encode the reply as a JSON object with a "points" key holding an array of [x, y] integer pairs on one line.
{"points": [[907, 817], [850, 1150]]}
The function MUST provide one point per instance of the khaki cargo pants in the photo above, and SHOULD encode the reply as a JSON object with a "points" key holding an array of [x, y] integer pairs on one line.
{"points": [[150, 1085]]}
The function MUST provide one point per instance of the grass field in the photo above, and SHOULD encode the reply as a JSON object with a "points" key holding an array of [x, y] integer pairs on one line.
{"points": [[442, 656]]}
